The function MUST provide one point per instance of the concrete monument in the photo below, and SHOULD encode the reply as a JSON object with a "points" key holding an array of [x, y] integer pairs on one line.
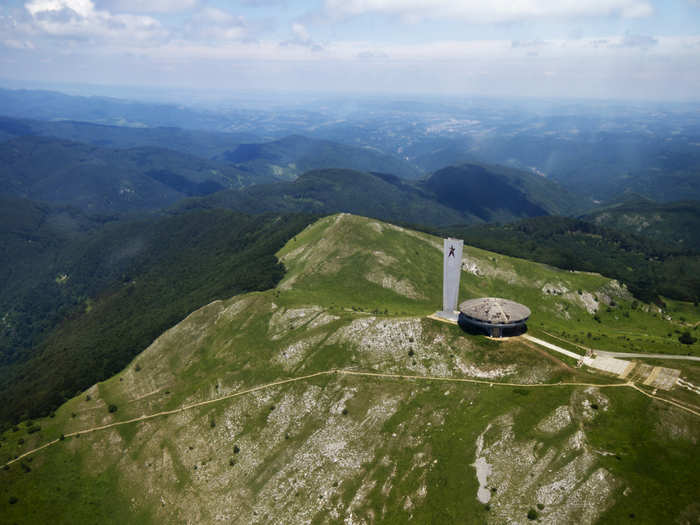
{"points": [[452, 266]]}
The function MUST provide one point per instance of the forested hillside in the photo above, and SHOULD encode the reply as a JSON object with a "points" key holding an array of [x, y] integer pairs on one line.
{"points": [[98, 299], [675, 222], [108, 180], [650, 268]]}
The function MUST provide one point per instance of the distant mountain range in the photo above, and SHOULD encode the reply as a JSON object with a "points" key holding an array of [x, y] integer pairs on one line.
{"points": [[205, 144], [294, 155], [468, 193], [601, 152], [103, 180], [69, 163]]}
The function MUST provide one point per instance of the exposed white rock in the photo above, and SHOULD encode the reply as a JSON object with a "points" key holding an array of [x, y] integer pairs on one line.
{"points": [[556, 421]]}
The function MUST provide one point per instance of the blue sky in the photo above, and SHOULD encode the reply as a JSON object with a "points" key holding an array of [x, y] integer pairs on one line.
{"points": [[640, 49]]}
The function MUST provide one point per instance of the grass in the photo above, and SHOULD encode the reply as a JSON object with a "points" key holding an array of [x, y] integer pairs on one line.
{"points": [[428, 440]]}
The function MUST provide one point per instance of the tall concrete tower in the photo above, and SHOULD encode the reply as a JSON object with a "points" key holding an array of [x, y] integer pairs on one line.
{"points": [[452, 267]]}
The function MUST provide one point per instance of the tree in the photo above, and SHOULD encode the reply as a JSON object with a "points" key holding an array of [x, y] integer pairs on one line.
{"points": [[686, 338]]}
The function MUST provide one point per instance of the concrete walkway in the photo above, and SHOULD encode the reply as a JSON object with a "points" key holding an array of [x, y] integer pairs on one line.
{"points": [[654, 376], [644, 356], [551, 346]]}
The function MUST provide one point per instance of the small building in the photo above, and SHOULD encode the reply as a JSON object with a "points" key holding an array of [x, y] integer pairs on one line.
{"points": [[494, 316]]}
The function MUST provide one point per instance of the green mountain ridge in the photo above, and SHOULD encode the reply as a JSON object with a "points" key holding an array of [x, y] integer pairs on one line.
{"points": [[316, 445], [294, 155], [675, 222], [205, 144], [447, 197]]}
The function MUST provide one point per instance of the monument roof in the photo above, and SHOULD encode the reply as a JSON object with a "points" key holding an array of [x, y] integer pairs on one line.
{"points": [[494, 310]]}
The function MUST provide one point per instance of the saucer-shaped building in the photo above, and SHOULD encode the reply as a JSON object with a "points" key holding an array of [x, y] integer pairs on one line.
{"points": [[495, 316]]}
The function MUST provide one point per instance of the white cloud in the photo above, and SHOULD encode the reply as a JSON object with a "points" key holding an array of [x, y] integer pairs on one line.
{"points": [[301, 33], [491, 10], [17, 44], [215, 25], [642, 41], [80, 20], [83, 8], [301, 37], [147, 6]]}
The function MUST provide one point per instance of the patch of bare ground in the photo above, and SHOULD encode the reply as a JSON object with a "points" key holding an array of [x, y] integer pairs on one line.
{"points": [[400, 286], [284, 320], [516, 474], [672, 425]]}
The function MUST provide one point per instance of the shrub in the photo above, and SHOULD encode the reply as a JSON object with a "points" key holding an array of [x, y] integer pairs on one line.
{"points": [[236, 449], [532, 514], [137, 367], [686, 338], [13, 500], [540, 506], [87, 397], [345, 411], [112, 408], [63, 437], [411, 353], [212, 423]]}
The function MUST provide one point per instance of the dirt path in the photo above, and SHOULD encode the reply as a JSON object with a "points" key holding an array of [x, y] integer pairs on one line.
{"points": [[358, 374]]}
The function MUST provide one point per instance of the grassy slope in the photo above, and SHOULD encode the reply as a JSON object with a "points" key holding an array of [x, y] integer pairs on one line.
{"points": [[403, 450]]}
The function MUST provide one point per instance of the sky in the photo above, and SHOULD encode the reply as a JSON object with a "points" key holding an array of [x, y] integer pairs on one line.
{"points": [[608, 49]]}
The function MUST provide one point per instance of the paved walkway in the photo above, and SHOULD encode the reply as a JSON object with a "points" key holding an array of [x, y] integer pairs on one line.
{"points": [[645, 356], [554, 347], [654, 376]]}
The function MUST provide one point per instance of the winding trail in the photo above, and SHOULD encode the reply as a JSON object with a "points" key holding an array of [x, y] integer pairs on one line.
{"points": [[356, 373]]}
